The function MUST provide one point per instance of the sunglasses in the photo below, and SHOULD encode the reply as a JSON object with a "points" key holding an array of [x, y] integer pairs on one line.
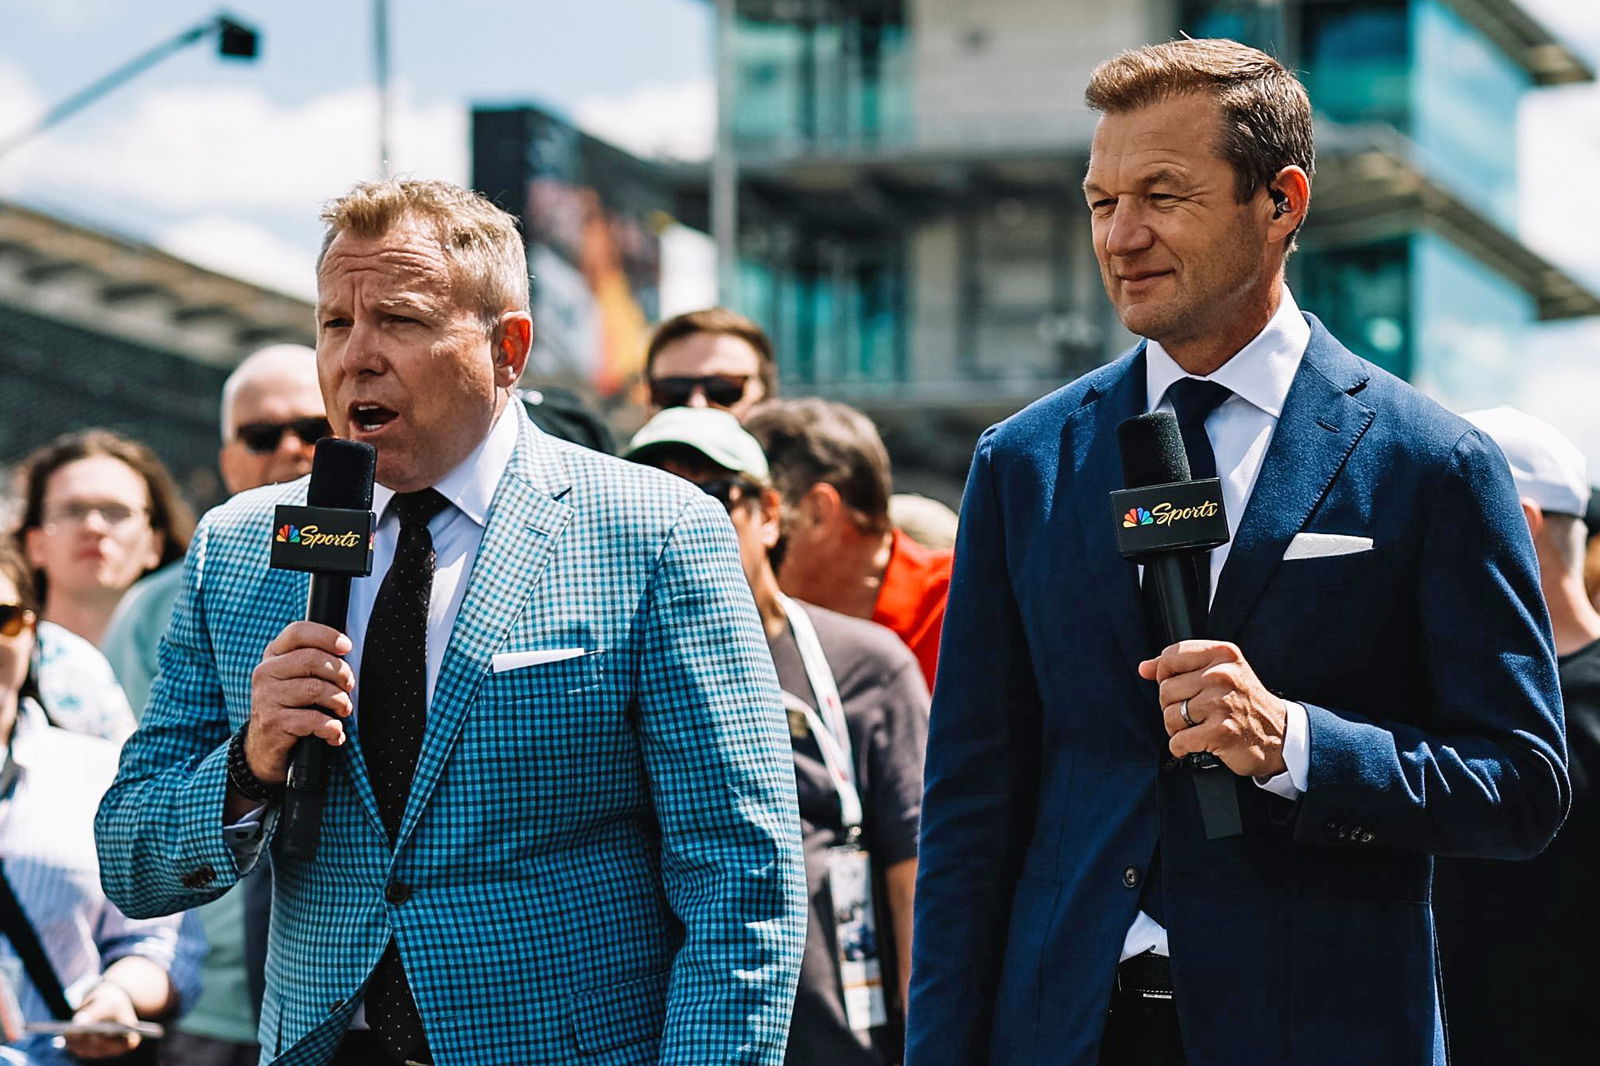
{"points": [[14, 618], [263, 437], [722, 490], [721, 390]]}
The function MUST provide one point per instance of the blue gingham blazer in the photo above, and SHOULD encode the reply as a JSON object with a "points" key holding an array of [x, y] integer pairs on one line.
{"points": [[602, 853]]}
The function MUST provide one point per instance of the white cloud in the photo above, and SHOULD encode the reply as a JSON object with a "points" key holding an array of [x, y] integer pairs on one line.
{"points": [[1559, 151], [72, 14], [230, 245], [225, 177], [204, 148], [1577, 24], [23, 105], [673, 121]]}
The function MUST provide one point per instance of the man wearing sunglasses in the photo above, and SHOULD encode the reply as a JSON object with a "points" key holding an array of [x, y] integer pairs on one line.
{"points": [[711, 358], [272, 416]]}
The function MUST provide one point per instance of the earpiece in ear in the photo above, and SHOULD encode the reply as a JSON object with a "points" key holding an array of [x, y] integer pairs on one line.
{"points": [[1280, 203]]}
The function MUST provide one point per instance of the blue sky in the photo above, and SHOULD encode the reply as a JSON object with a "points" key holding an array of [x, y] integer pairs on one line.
{"points": [[224, 162]]}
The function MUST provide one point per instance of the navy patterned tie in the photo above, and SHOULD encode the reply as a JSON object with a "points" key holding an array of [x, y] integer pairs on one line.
{"points": [[393, 708], [1193, 401]]}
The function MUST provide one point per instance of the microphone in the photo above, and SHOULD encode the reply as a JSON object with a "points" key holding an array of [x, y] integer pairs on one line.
{"points": [[1167, 521], [331, 538]]}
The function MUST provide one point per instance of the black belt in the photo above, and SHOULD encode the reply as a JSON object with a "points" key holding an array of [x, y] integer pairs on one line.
{"points": [[1147, 976]]}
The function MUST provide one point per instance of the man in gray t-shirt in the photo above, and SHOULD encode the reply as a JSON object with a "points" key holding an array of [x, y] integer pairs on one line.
{"points": [[884, 704]]}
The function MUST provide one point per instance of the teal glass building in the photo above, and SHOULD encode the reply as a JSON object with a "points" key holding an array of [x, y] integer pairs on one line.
{"points": [[911, 232]]}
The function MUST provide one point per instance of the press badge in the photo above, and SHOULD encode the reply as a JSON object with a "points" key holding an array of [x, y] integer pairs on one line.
{"points": [[855, 927], [856, 933]]}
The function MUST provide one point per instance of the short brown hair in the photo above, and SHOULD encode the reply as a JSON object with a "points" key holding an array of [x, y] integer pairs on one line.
{"points": [[170, 517], [1266, 114], [482, 241], [810, 441], [718, 321]]}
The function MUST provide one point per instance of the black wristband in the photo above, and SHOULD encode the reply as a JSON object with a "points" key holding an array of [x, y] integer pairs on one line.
{"points": [[246, 783]]}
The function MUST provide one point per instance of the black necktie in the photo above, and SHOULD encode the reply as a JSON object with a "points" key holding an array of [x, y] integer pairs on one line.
{"points": [[393, 708], [1193, 401]]}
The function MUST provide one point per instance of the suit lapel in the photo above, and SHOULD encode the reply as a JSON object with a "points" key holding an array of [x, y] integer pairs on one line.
{"points": [[1095, 468], [526, 520], [1319, 428]]}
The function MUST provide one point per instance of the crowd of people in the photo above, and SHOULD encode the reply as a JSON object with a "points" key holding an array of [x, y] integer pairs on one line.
{"points": [[629, 751]]}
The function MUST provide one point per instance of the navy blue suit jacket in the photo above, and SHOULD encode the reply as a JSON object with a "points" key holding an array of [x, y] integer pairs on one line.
{"points": [[1428, 676]]}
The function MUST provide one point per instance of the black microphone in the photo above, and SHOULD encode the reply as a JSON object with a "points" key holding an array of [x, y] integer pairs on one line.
{"points": [[1167, 521], [331, 537]]}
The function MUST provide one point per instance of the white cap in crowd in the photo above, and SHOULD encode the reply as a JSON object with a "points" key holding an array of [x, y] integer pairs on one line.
{"points": [[1547, 467], [710, 431]]}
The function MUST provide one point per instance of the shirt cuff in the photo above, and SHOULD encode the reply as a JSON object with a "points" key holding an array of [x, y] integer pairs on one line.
{"points": [[244, 839], [1296, 756]]}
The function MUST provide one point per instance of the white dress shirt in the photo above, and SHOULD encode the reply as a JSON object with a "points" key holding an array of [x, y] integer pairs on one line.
{"points": [[457, 532], [1240, 430]]}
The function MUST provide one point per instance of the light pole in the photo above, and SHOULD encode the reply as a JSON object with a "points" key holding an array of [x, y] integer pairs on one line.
{"points": [[725, 164], [380, 25], [235, 40]]}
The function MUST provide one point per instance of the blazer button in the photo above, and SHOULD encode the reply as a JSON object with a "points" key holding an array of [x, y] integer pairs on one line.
{"points": [[1333, 830], [1365, 836], [1130, 877], [199, 877], [397, 892]]}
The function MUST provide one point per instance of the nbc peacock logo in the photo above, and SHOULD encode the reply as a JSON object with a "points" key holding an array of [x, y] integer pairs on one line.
{"points": [[288, 534], [1137, 516]]}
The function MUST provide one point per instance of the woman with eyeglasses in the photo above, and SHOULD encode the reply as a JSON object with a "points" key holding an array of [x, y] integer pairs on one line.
{"points": [[94, 965], [99, 512]]}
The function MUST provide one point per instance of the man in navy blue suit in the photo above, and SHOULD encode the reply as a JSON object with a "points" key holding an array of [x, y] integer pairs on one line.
{"points": [[1378, 675]]}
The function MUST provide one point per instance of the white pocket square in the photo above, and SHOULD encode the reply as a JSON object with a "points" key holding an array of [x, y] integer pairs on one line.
{"points": [[1325, 545], [516, 660]]}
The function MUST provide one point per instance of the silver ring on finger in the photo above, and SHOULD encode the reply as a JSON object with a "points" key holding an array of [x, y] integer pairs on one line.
{"points": [[1183, 712]]}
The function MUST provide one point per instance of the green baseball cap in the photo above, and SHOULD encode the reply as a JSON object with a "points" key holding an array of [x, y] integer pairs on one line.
{"points": [[713, 433]]}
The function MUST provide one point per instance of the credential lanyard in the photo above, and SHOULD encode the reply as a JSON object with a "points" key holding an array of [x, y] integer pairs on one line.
{"points": [[830, 728]]}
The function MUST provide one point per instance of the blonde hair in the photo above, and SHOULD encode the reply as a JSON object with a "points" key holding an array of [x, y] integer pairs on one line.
{"points": [[482, 241]]}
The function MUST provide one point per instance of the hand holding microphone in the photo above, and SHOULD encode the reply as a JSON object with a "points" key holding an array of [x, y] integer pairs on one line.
{"points": [[300, 689], [1168, 522], [1230, 712]]}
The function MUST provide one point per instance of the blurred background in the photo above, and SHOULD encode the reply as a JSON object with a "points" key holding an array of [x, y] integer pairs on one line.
{"points": [[888, 186]]}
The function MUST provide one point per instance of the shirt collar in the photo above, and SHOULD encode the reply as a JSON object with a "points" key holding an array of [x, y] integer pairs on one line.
{"points": [[1260, 373], [470, 486]]}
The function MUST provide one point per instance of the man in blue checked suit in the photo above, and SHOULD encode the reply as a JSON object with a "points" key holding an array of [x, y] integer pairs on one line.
{"points": [[561, 823], [1377, 678]]}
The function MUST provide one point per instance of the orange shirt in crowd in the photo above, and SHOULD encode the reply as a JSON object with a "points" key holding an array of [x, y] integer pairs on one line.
{"points": [[911, 599]]}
